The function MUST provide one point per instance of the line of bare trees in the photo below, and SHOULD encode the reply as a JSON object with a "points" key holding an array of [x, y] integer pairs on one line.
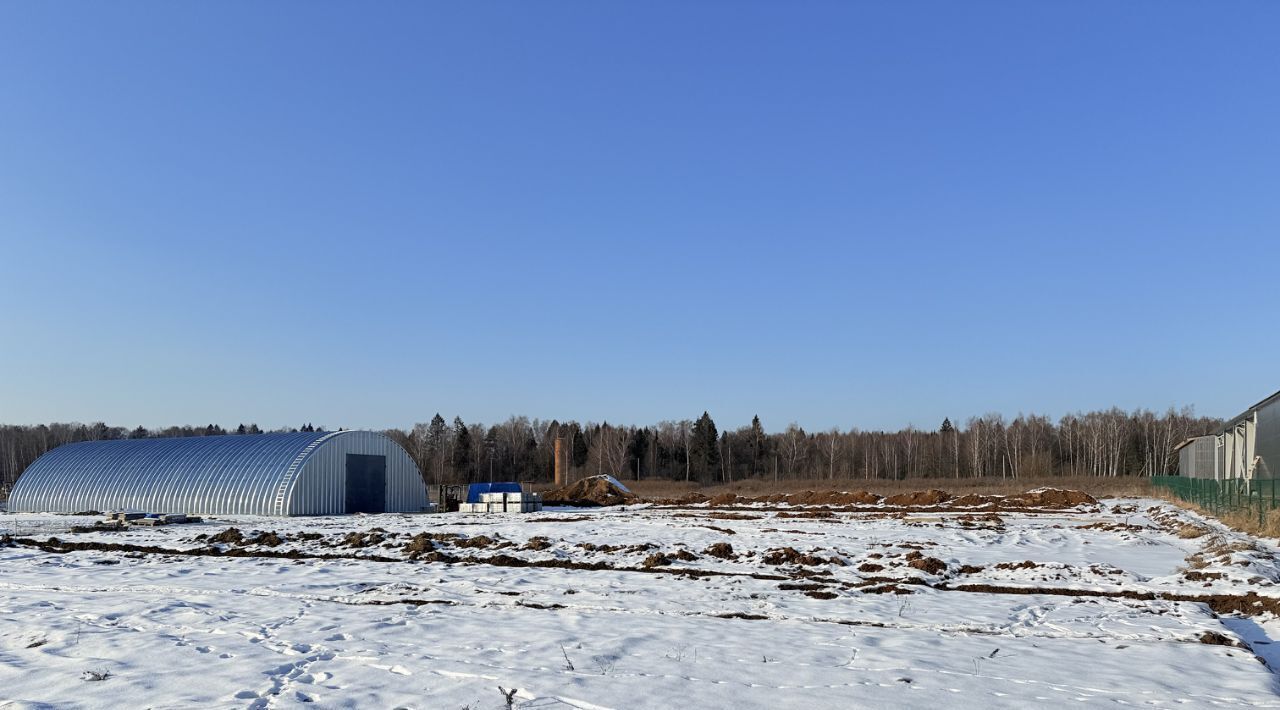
{"points": [[1102, 443]]}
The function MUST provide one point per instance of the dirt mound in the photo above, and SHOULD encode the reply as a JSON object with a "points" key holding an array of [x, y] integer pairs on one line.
{"points": [[1051, 498], [723, 550], [476, 542], [819, 594], [657, 559], [933, 496], [590, 492], [1216, 639], [718, 515], [1025, 564], [230, 536], [973, 500], [789, 555], [723, 499], [363, 539], [816, 513], [931, 565], [828, 498], [538, 542], [270, 539]]}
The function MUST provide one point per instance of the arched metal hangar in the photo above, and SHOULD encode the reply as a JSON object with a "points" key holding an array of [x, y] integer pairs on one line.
{"points": [[302, 473]]}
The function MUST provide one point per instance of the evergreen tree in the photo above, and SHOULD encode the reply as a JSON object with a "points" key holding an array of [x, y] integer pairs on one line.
{"points": [[139, 433], [581, 453], [241, 430], [636, 451], [491, 452], [437, 432], [947, 428], [463, 465], [759, 442], [704, 449]]}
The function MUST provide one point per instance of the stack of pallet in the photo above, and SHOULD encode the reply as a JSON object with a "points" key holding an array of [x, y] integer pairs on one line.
{"points": [[503, 502]]}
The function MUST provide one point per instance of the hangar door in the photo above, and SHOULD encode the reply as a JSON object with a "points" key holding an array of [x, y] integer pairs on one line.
{"points": [[366, 483]]}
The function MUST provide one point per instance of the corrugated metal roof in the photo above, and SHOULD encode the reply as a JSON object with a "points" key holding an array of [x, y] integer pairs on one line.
{"points": [[1246, 413], [1192, 440]]}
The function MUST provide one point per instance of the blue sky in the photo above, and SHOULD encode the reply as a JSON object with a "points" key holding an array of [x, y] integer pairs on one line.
{"points": [[840, 214]]}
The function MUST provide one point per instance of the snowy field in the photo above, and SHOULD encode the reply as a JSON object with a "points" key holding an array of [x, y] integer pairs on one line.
{"points": [[643, 607]]}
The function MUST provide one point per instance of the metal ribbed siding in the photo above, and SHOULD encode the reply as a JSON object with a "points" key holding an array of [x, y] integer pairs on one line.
{"points": [[1268, 444], [213, 475], [1198, 458]]}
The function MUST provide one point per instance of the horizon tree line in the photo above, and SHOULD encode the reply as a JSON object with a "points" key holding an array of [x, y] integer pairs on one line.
{"points": [[1099, 443]]}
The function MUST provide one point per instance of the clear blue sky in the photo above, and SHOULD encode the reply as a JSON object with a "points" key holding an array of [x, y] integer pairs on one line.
{"points": [[838, 213]]}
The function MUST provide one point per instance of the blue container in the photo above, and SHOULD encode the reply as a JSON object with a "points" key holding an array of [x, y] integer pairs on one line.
{"points": [[475, 489]]}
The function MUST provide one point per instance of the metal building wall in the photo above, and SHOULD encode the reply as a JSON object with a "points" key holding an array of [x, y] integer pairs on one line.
{"points": [[321, 485], [255, 474], [1206, 457], [1197, 459], [1248, 446], [1267, 447]]}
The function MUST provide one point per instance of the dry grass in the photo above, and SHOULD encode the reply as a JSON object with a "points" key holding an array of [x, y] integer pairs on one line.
{"points": [[1191, 532], [1095, 486], [1269, 526]]}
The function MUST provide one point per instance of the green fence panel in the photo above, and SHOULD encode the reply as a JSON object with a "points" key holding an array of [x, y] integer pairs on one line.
{"points": [[1249, 497]]}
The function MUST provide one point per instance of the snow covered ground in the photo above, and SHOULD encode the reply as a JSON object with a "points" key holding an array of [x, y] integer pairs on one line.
{"points": [[643, 607]]}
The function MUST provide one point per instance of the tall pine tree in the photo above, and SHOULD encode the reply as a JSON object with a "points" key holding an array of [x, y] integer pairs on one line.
{"points": [[759, 440], [463, 465], [704, 449]]}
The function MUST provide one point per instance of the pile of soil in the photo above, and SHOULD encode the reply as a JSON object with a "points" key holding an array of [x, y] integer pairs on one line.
{"points": [[974, 500], [789, 555], [270, 539], [1051, 498], [832, 498], [819, 513], [230, 536], [930, 565], [589, 492], [1038, 499], [933, 496], [802, 498], [688, 499], [363, 539], [723, 550]]}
